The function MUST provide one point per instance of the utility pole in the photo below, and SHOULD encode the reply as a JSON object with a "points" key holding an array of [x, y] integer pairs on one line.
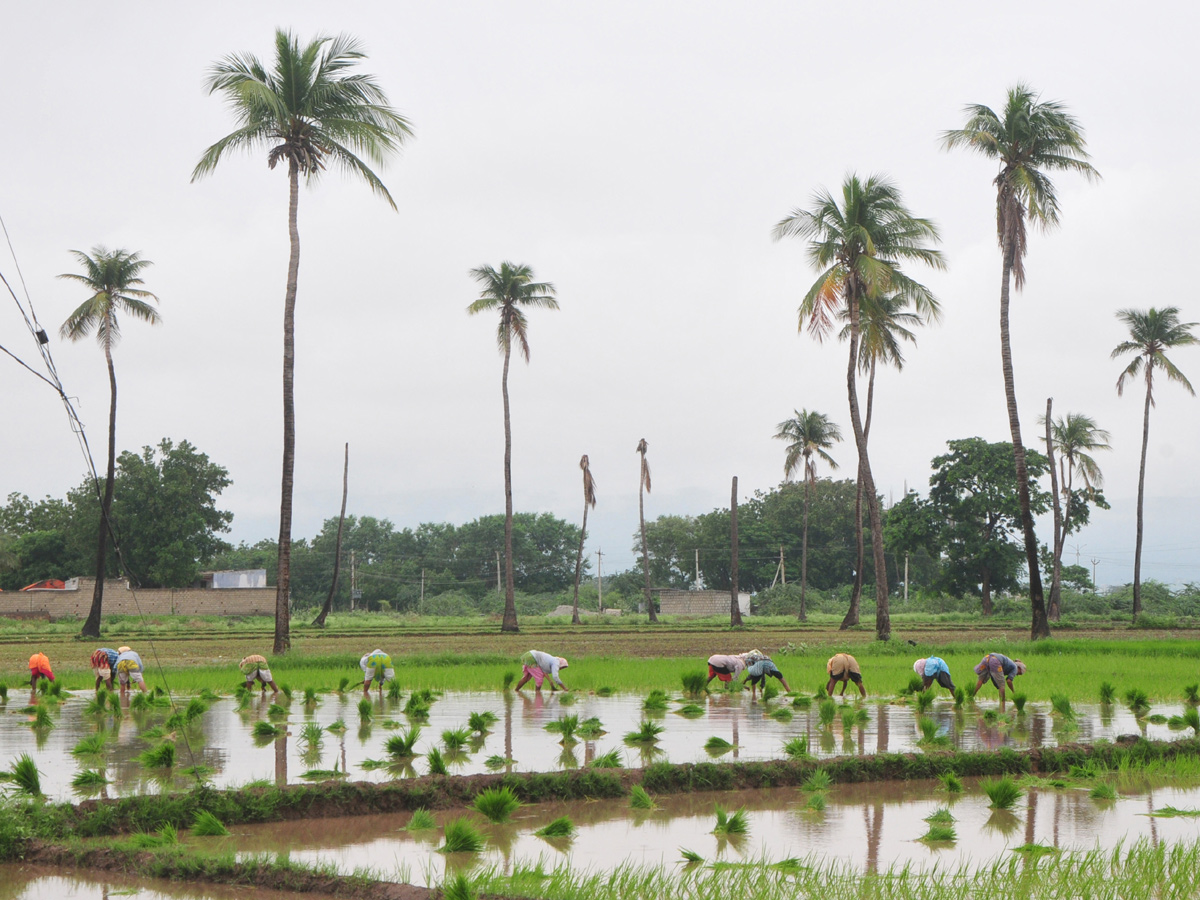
{"points": [[497, 573], [697, 552], [1095, 587], [600, 577], [782, 570], [906, 576]]}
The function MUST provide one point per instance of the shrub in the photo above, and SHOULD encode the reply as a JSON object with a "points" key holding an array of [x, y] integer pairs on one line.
{"points": [[497, 804]]}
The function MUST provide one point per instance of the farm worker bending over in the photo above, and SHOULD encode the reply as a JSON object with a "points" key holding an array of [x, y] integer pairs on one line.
{"points": [[377, 667], [104, 664], [844, 668], [129, 668], [933, 668], [724, 667], [537, 665], [255, 667], [1001, 670], [39, 667], [757, 671]]}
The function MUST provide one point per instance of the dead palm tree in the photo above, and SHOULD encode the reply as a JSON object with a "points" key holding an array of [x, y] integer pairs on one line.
{"points": [[508, 289], [809, 435], [589, 499], [1152, 332], [644, 485], [1029, 139], [112, 276]]}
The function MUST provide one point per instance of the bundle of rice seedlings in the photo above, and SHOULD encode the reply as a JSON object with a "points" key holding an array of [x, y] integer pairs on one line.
{"points": [[639, 798], [497, 804], [88, 778], [783, 714], [1108, 693], [160, 757], [1138, 701], [802, 702], [338, 727], [915, 685], [91, 745], [265, 730], [343, 683], [1003, 792], [960, 697], [769, 691], [717, 745], [313, 735], [509, 678], [590, 729], [455, 738], [609, 760], [497, 762], [140, 702], [1061, 704], [1189, 719], [1019, 701], [460, 836], [437, 763], [1191, 693], [929, 734], [195, 709], [97, 705], [366, 711], [310, 696], [393, 690], [561, 827], [924, 700], [818, 780], [736, 823], [690, 711], [827, 711], [941, 816], [655, 702], [1103, 791], [207, 825], [25, 776], [690, 857], [939, 834], [566, 726], [421, 820], [647, 733], [403, 745], [41, 719], [816, 803], [797, 747], [951, 783], [481, 722], [693, 683], [605, 691]]}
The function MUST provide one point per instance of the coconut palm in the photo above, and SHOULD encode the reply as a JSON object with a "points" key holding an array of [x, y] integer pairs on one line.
{"points": [[1152, 333], [589, 499], [311, 110], [644, 484], [859, 244], [885, 322], [113, 277], [809, 436], [509, 289], [1072, 441], [1028, 139]]}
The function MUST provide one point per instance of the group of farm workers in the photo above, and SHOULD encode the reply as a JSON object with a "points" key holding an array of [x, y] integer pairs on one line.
{"points": [[376, 668], [994, 667], [124, 664]]}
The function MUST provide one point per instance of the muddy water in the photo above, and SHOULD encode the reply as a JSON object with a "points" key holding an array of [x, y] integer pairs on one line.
{"points": [[868, 827], [18, 882], [222, 739]]}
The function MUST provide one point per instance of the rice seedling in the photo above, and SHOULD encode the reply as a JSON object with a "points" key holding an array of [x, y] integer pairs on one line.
{"points": [[769, 691], [818, 780], [1108, 693], [366, 711], [693, 683], [91, 745], [509, 678], [940, 816], [690, 857], [265, 730], [690, 711], [1138, 701], [639, 798], [951, 783], [437, 762], [25, 776], [826, 712], [140, 702], [1191, 693], [656, 702], [924, 700], [310, 696], [458, 888], [939, 834], [717, 745], [403, 745], [152, 735], [930, 736], [165, 836], [393, 690], [322, 774], [175, 721], [460, 836], [497, 804], [566, 727], [160, 757], [88, 778], [343, 683], [244, 699], [647, 733], [605, 691], [797, 747], [815, 803], [455, 738], [1157, 719], [207, 695], [1169, 812], [416, 707], [313, 735], [960, 697], [3, 693], [41, 720], [609, 760], [731, 824], [1019, 701], [199, 771], [421, 820], [481, 722], [338, 727], [97, 705], [783, 714], [205, 824], [590, 729], [497, 762], [561, 827], [1062, 706], [1035, 850], [1189, 719], [1003, 792], [195, 709], [1103, 791], [801, 702]]}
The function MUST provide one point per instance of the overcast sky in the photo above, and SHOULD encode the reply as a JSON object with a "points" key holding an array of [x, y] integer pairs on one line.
{"points": [[636, 155]]}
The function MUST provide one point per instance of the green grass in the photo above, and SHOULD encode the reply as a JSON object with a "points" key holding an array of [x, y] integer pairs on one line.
{"points": [[497, 804], [1170, 812], [1103, 791], [460, 836], [693, 682], [1002, 792], [1108, 693], [1138, 701], [1062, 706]]}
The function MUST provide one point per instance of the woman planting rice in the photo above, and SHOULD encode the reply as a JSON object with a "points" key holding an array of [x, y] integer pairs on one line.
{"points": [[377, 667], [844, 668], [724, 667], [254, 667], [104, 664], [39, 667], [934, 668], [1000, 670], [129, 668], [537, 665]]}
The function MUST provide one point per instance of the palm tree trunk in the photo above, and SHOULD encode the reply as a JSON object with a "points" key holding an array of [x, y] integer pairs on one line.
{"points": [[91, 628], [579, 567], [510, 602], [856, 589], [1040, 626], [985, 590], [803, 617], [319, 621], [645, 549], [735, 610], [1137, 553], [1060, 532], [283, 638], [883, 622]]}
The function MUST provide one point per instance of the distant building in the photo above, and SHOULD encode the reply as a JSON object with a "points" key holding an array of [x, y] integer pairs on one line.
{"points": [[699, 603], [234, 579]]}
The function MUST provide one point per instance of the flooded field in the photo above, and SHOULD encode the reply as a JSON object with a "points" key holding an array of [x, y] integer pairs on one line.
{"points": [[18, 882], [222, 739]]}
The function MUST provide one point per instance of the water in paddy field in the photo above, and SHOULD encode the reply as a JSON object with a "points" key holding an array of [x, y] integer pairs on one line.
{"points": [[21, 882], [222, 739]]}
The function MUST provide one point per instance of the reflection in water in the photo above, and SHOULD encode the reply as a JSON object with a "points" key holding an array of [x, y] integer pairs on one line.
{"points": [[281, 767]]}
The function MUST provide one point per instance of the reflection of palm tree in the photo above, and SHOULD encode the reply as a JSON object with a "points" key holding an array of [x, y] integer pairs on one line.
{"points": [[589, 499], [113, 277], [810, 434], [644, 485], [1028, 139], [1151, 334], [507, 290]]}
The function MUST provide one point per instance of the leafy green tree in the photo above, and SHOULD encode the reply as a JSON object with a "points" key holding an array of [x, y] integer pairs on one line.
{"points": [[974, 491], [912, 530], [312, 109], [859, 245], [1152, 333], [671, 542], [508, 290], [1029, 139], [810, 435], [113, 277]]}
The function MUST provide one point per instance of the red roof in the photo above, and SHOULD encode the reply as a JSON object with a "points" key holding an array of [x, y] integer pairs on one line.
{"points": [[50, 584]]}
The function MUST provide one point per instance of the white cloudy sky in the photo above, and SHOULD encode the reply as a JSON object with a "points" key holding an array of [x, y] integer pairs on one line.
{"points": [[636, 154]]}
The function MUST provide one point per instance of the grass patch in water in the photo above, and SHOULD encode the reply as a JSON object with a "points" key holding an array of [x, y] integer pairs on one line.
{"points": [[265, 730], [497, 804], [735, 823], [590, 729], [565, 727], [437, 762], [940, 816], [647, 733], [939, 834], [818, 780], [206, 824], [951, 782], [454, 739], [1103, 791], [693, 683], [89, 778], [656, 702], [460, 836], [160, 757], [783, 714], [816, 803], [496, 762], [1170, 812], [609, 760], [481, 722], [640, 799], [403, 745], [1002, 792], [421, 820], [826, 712], [91, 745], [561, 827], [797, 747], [1138, 702]]}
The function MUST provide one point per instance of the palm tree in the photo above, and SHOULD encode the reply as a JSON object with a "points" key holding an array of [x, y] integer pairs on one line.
{"points": [[589, 499], [309, 111], [644, 484], [1152, 332], [113, 277], [1071, 439], [507, 290], [885, 322], [810, 435], [858, 244], [1030, 139]]}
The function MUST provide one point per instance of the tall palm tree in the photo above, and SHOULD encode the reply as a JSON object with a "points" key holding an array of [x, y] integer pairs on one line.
{"points": [[310, 111], [1028, 139], [1072, 441], [589, 499], [113, 277], [885, 322], [508, 290], [1152, 332], [809, 436], [644, 484], [859, 244]]}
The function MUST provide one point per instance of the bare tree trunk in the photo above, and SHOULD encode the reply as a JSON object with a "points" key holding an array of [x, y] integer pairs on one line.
{"points": [[91, 627], [985, 589], [851, 617], [319, 621], [1137, 553], [579, 567], [735, 610], [1055, 612], [803, 617], [510, 601], [283, 637], [645, 549], [1040, 626]]}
